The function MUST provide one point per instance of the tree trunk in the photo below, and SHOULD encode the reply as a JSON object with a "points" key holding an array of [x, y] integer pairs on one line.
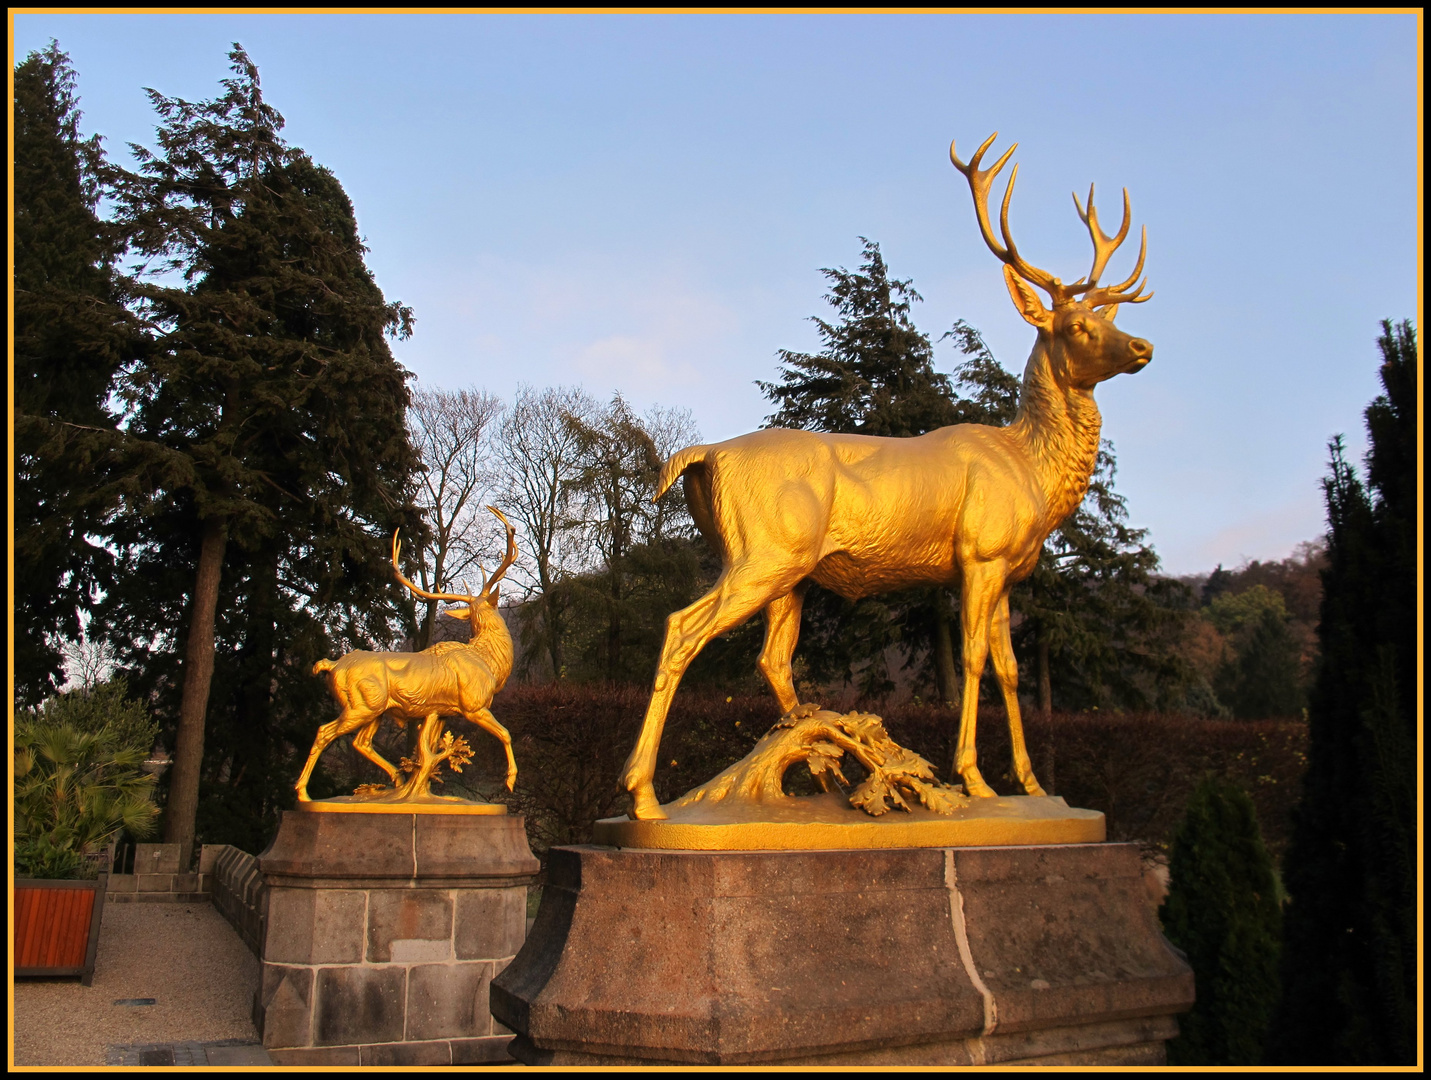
{"points": [[945, 672], [1045, 683], [183, 805]]}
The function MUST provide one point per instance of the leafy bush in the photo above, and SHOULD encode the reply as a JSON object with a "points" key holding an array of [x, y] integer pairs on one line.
{"points": [[79, 779]]}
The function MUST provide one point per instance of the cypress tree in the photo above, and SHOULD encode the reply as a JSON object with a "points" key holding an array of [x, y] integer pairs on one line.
{"points": [[73, 335], [1222, 911], [267, 435], [1349, 974]]}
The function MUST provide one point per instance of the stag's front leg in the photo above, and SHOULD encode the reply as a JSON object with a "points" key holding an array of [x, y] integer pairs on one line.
{"points": [[983, 585], [737, 596], [782, 632], [1006, 669]]}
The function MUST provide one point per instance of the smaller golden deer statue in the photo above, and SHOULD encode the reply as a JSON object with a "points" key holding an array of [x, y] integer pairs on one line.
{"points": [[450, 678]]}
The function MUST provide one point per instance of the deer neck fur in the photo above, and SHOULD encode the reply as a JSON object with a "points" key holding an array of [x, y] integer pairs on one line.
{"points": [[491, 641], [1058, 427]]}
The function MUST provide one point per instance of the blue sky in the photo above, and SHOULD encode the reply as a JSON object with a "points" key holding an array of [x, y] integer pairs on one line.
{"points": [[643, 203]]}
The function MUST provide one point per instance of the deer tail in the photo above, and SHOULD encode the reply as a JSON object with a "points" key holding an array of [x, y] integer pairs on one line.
{"points": [[322, 666], [679, 462]]}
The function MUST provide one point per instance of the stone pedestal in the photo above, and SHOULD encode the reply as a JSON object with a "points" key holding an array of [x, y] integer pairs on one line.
{"points": [[936, 956], [383, 934]]}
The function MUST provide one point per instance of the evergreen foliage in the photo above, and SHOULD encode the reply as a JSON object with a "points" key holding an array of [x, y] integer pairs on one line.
{"points": [[1222, 911], [72, 335], [267, 451], [1349, 977]]}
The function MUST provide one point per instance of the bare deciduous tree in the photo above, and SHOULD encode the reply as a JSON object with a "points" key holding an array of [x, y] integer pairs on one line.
{"points": [[452, 429], [539, 453]]}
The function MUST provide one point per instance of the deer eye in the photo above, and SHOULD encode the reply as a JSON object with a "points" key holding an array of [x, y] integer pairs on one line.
{"points": [[1077, 328]]}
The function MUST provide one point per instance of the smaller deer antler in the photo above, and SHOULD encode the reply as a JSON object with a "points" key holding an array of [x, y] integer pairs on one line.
{"points": [[455, 597], [980, 181]]}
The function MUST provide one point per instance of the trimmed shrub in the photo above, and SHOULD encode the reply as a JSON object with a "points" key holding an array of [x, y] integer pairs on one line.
{"points": [[1222, 910]]}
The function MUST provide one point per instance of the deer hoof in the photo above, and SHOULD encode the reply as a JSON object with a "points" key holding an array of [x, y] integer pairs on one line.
{"points": [[511, 781], [974, 785], [1033, 787], [644, 806]]}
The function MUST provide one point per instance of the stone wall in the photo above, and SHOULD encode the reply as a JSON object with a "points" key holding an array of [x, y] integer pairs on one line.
{"points": [[156, 878], [238, 891]]}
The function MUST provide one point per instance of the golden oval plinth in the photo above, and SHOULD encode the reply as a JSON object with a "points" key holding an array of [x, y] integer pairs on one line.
{"points": [[351, 804], [828, 822]]}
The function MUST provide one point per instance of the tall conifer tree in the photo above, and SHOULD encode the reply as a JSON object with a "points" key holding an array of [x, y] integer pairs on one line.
{"points": [[267, 430], [72, 336], [1350, 958]]}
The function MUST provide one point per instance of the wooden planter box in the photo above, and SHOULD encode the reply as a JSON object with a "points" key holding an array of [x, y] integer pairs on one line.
{"points": [[57, 926]]}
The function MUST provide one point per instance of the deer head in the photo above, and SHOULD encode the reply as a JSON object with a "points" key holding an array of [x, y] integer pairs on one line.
{"points": [[472, 602], [1076, 332]]}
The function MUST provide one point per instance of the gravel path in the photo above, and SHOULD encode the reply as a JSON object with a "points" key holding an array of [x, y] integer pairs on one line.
{"points": [[185, 956]]}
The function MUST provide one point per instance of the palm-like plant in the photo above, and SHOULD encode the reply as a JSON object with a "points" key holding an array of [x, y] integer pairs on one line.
{"points": [[74, 791]]}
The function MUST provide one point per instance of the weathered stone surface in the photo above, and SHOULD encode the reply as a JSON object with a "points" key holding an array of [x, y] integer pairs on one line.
{"points": [[358, 1005], [156, 858], [489, 924], [408, 1053], [445, 845], [728, 957], [448, 1000], [286, 997], [1063, 959], [406, 920], [154, 882], [481, 1051], [121, 883], [316, 1055], [313, 926], [423, 849], [370, 905]]}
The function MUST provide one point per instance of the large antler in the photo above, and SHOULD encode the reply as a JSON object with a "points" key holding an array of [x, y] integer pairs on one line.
{"points": [[507, 560], [980, 181], [1103, 248], [456, 597]]}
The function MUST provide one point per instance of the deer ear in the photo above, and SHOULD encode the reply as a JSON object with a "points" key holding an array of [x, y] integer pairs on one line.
{"points": [[458, 612], [1027, 301], [492, 598], [1109, 311]]}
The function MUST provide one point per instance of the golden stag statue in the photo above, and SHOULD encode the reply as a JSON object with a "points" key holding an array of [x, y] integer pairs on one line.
{"points": [[861, 515], [446, 679]]}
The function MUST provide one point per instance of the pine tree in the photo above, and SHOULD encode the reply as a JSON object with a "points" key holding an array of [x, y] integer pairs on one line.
{"points": [[72, 336], [1222, 911], [1349, 978], [270, 459]]}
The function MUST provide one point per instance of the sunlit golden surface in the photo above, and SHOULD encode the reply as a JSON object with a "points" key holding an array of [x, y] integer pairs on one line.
{"points": [[968, 504]]}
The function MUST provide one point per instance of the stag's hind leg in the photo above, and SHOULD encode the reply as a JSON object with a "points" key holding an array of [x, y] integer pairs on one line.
{"points": [[738, 594], [782, 632], [347, 721], [363, 744], [484, 719], [1006, 669]]}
